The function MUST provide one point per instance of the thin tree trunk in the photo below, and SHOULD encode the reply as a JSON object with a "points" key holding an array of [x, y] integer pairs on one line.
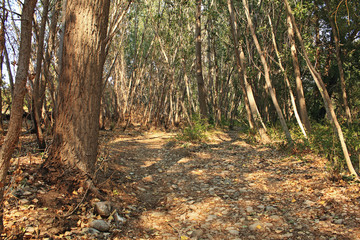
{"points": [[198, 52], [12, 136], [267, 74], [324, 93], [250, 103], [292, 98], [37, 90], [299, 87], [2, 47], [339, 63]]}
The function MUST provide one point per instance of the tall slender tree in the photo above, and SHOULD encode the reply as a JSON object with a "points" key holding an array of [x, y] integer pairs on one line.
{"points": [[199, 72], [12, 136]]}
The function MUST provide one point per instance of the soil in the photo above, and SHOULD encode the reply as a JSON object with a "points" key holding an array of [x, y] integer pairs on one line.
{"points": [[161, 188]]}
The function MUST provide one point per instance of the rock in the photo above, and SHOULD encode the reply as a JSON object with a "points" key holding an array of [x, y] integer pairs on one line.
{"points": [[270, 208], [103, 208], [249, 209], [90, 231], [119, 219], [232, 231], [261, 206], [24, 201], [100, 225], [196, 234], [339, 221]]}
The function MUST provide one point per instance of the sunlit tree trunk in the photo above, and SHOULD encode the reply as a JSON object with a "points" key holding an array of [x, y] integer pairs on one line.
{"points": [[2, 47], [14, 129], [267, 73], [324, 94], [76, 129], [198, 52], [299, 87], [250, 103]]}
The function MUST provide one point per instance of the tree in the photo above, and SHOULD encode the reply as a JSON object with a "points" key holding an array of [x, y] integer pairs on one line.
{"points": [[266, 73], [199, 74], [324, 93], [12, 136], [80, 86]]}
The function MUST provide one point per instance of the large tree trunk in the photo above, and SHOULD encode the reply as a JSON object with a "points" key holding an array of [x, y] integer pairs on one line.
{"points": [[324, 94], [253, 115], [267, 74], [198, 52], [12, 136], [340, 64], [299, 87], [80, 86]]}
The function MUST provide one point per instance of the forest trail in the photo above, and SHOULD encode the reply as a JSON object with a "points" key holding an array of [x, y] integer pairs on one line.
{"points": [[163, 189], [226, 189]]}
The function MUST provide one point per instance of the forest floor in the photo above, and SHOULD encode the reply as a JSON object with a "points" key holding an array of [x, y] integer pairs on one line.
{"points": [[162, 189]]}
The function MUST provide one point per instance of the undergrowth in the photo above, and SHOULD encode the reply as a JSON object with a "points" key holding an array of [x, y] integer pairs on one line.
{"points": [[196, 131]]}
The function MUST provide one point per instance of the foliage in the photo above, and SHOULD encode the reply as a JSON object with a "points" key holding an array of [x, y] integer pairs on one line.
{"points": [[196, 131]]}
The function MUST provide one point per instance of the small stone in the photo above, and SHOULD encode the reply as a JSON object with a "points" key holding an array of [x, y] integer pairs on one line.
{"points": [[196, 234], [100, 225], [118, 219], [103, 208], [261, 206], [90, 231], [275, 218], [27, 193], [232, 231], [24, 201], [249, 209], [270, 208], [339, 221]]}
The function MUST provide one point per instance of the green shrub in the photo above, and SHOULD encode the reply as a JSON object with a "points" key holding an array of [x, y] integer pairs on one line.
{"points": [[195, 132]]}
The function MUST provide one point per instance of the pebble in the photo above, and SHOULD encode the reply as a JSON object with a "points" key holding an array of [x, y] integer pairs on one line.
{"points": [[249, 209], [100, 225], [103, 208], [339, 221], [24, 201]]}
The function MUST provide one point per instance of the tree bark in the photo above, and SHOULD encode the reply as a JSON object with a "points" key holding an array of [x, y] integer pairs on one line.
{"points": [[324, 94], [76, 129], [246, 87], [198, 52], [340, 64], [267, 74], [38, 89], [299, 87], [12, 136]]}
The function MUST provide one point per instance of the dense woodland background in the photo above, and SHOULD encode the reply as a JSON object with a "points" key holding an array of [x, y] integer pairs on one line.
{"points": [[279, 70]]}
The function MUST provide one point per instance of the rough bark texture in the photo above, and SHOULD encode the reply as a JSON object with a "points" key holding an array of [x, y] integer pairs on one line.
{"points": [[199, 74], [80, 85], [299, 87], [12, 136]]}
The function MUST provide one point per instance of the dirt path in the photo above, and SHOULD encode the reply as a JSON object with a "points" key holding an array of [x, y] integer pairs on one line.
{"points": [[226, 189]]}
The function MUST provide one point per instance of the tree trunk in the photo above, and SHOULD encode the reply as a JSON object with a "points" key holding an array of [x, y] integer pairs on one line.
{"points": [[324, 94], [198, 52], [76, 129], [340, 64], [2, 47], [37, 90], [292, 98], [267, 74], [299, 87], [14, 129], [246, 87]]}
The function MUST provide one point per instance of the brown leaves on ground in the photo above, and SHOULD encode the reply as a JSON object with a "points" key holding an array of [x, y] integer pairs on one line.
{"points": [[224, 189]]}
